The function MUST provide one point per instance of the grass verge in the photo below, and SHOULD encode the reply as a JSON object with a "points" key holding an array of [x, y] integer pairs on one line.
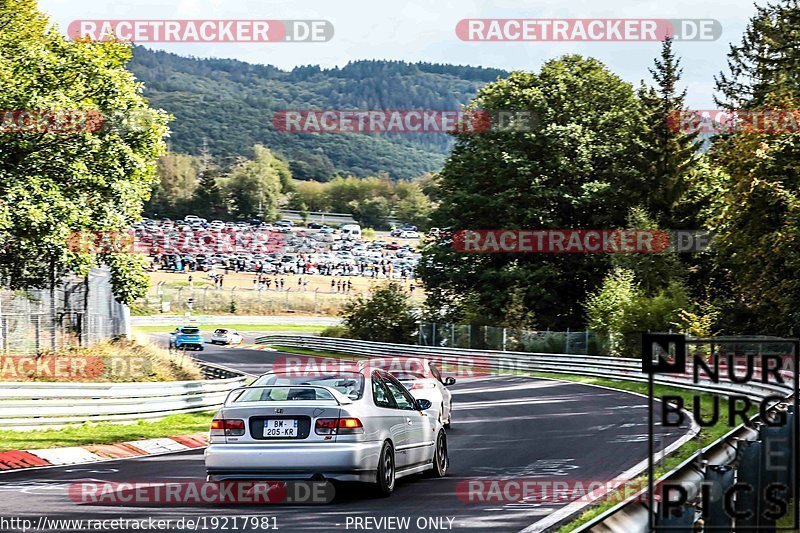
{"points": [[105, 433], [317, 353]]}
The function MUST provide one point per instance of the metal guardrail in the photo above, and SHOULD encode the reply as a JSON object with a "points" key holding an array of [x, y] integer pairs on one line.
{"points": [[628, 516], [39, 405], [500, 362]]}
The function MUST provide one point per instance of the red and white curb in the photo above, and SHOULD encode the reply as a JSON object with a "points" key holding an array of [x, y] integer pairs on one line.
{"points": [[19, 459]]}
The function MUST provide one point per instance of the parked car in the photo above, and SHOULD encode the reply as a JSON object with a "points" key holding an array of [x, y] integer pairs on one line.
{"points": [[186, 337], [360, 425], [226, 336]]}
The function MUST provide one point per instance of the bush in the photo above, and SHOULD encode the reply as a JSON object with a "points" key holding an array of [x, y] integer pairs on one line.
{"points": [[336, 332], [120, 360], [386, 316], [368, 233], [621, 310]]}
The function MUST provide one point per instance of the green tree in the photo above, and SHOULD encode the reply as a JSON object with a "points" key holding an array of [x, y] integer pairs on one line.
{"points": [[766, 58], [385, 316], [208, 200], [653, 271], [254, 185], [580, 167], [622, 310], [758, 223], [52, 184], [670, 153], [605, 309], [372, 212], [178, 180], [413, 206]]}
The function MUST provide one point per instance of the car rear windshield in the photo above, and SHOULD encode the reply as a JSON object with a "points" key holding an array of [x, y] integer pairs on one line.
{"points": [[220, 331], [350, 384], [190, 331]]}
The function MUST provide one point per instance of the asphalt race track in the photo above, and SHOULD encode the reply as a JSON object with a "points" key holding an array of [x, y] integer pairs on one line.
{"points": [[503, 427]]}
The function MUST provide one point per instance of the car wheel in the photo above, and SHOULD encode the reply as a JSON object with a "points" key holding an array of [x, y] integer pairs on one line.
{"points": [[386, 471], [441, 461], [201, 348]]}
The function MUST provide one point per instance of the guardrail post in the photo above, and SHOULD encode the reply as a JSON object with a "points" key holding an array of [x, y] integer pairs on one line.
{"points": [[749, 501], [719, 479], [790, 422], [776, 463]]}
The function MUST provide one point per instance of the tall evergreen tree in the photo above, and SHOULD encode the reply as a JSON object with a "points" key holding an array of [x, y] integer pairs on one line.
{"points": [[759, 221], [767, 57], [209, 199], [670, 153]]}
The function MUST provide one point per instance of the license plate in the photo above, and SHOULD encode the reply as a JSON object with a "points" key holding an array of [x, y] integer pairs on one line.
{"points": [[280, 427]]}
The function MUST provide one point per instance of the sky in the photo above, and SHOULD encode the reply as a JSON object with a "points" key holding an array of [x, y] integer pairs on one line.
{"points": [[424, 30]]}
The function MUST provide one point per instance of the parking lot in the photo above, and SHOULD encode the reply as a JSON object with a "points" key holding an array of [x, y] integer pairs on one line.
{"points": [[220, 248]]}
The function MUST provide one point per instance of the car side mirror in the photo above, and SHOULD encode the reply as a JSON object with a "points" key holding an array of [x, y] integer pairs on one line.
{"points": [[449, 381], [423, 405]]}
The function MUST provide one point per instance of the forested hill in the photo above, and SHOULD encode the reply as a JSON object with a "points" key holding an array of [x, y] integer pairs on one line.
{"points": [[231, 103]]}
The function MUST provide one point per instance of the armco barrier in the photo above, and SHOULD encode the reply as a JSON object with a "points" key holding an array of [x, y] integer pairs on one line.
{"points": [[39, 405], [739, 447]]}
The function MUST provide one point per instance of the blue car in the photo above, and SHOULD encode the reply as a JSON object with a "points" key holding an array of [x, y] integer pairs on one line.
{"points": [[186, 338]]}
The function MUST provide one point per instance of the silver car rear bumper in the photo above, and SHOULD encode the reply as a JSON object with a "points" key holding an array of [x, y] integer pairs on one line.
{"points": [[351, 461]]}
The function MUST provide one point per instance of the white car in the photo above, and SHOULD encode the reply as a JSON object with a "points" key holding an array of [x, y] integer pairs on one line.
{"points": [[226, 336], [355, 425], [428, 384], [409, 235]]}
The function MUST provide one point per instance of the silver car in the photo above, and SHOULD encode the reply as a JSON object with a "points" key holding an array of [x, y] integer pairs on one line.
{"points": [[354, 425]]}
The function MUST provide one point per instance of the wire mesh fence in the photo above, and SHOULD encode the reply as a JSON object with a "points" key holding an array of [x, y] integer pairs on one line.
{"points": [[77, 311], [238, 300], [509, 339]]}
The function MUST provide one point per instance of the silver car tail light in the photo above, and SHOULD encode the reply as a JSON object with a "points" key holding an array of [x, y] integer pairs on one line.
{"points": [[338, 426], [227, 427]]}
